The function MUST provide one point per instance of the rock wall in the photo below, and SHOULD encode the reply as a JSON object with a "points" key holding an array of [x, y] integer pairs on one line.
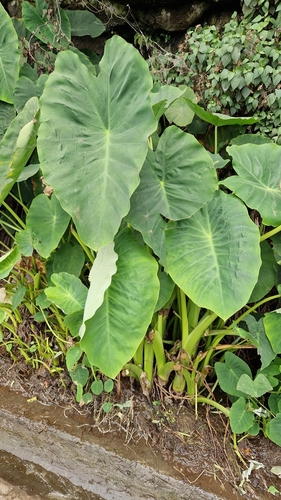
{"points": [[160, 16], [172, 17]]}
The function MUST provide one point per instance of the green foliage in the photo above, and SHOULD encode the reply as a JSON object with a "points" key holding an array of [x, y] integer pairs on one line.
{"points": [[248, 412], [129, 241], [9, 57], [104, 139], [235, 70], [251, 8], [220, 229]]}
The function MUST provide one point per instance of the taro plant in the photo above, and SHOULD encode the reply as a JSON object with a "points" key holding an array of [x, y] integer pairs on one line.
{"points": [[147, 254]]}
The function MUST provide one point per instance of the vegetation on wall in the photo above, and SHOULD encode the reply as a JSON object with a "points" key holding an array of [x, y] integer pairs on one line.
{"points": [[235, 69], [127, 240]]}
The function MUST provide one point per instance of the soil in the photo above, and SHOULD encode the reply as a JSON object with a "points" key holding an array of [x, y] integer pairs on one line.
{"points": [[197, 449]]}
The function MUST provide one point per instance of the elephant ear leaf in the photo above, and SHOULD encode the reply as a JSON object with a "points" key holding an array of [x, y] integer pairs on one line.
{"points": [[211, 240], [9, 57], [258, 180], [93, 137]]}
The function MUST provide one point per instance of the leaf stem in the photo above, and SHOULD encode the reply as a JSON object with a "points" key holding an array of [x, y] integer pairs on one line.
{"points": [[216, 140], [202, 399], [148, 360], [197, 333], [85, 248], [158, 349], [253, 308], [15, 216], [270, 233], [183, 316]]}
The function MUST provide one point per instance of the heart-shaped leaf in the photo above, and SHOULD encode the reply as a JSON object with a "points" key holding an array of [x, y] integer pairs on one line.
{"points": [[258, 182], [73, 354], [115, 331], [68, 258], [24, 243], [173, 188], [98, 157], [255, 388], [46, 222], [229, 373], [241, 419], [202, 255], [68, 292]]}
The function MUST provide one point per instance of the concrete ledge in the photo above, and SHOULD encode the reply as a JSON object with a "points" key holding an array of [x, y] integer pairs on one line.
{"points": [[100, 465]]}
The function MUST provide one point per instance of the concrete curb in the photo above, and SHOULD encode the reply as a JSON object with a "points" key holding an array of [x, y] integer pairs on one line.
{"points": [[44, 436]]}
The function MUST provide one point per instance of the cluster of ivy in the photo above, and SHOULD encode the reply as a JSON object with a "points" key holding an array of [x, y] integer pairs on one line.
{"points": [[235, 70]]}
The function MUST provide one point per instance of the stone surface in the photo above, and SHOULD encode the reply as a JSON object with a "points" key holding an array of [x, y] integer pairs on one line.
{"points": [[159, 15], [9, 492], [154, 16], [172, 20], [43, 436]]}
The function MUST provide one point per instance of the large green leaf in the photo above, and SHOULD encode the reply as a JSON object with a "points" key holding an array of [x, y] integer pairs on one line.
{"points": [[214, 256], [84, 22], [272, 325], [46, 222], [258, 182], [9, 57], [93, 137], [55, 31], [17, 146], [218, 119], [267, 274], [69, 293], [176, 181], [114, 333]]}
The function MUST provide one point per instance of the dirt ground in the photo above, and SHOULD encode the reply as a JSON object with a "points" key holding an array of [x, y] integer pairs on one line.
{"points": [[199, 450]]}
